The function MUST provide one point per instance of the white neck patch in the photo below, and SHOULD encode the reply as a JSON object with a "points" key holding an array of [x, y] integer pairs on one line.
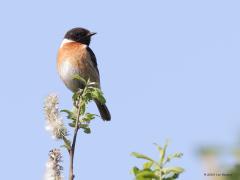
{"points": [[65, 41]]}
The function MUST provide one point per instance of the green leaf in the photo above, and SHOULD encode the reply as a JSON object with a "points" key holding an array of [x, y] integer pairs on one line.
{"points": [[175, 170], [72, 124], [153, 170], [143, 178], [162, 152], [177, 155], [83, 126], [75, 96], [87, 96], [147, 174], [78, 77], [88, 117], [141, 156], [147, 165], [70, 114], [67, 143], [171, 177], [66, 111], [172, 156], [135, 170], [87, 130], [82, 108], [98, 95]]}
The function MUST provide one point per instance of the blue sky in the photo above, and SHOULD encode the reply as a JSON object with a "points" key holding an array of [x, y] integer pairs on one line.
{"points": [[169, 70]]}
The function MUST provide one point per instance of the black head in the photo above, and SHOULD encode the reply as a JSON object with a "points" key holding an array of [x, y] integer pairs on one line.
{"points": [[80, 35]]}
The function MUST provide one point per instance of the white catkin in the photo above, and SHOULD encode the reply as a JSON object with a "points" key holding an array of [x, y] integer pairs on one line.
{"points": [[54, 122], [53, 167]]}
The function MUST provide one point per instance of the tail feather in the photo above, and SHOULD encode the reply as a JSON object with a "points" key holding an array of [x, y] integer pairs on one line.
{"points": [[103, 110]]}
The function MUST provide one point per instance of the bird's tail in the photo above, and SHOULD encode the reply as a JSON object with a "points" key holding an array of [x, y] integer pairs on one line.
{"points": [[103, 110]]}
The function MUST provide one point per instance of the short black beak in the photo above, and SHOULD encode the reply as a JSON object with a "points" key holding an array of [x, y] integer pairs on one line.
{"points": [[91, 34]]}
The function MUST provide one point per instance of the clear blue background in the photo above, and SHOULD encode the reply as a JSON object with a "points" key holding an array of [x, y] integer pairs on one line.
{"points": [[169, 70]]}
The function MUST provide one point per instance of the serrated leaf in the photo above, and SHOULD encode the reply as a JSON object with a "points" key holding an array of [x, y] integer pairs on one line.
{"points": [[78, 77], [88, 96], [98, 95], [141, 156]]}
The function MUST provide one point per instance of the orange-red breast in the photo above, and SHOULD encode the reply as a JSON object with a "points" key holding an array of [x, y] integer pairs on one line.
{"points": [[76, 57]]}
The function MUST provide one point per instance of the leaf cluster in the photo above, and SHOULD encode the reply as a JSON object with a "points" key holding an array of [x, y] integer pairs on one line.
{"points": [[79, 118], [156, 170]]}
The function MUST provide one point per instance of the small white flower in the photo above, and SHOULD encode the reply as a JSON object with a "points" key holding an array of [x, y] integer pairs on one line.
{"points": [[54, 122], [53, 167]]}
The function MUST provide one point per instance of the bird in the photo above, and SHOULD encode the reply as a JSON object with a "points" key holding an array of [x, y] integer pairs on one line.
{"points": [[75, 57]]}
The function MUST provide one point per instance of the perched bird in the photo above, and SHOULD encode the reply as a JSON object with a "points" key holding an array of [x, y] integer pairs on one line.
{"points": [[76, 57]]}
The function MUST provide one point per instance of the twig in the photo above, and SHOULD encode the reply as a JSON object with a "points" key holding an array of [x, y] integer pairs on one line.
{"points": [[72, 150], [71, 174]]}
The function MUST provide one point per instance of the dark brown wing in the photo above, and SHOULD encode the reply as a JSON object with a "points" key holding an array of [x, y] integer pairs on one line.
{"points": [[93, 58]]}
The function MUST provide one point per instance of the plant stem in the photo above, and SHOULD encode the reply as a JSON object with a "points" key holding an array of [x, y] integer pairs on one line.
{"points": [[160, 175], [71, 174], [71, 154]]}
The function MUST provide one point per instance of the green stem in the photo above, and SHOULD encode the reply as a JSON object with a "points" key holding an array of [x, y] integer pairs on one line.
{"points": [[72, 150]]}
